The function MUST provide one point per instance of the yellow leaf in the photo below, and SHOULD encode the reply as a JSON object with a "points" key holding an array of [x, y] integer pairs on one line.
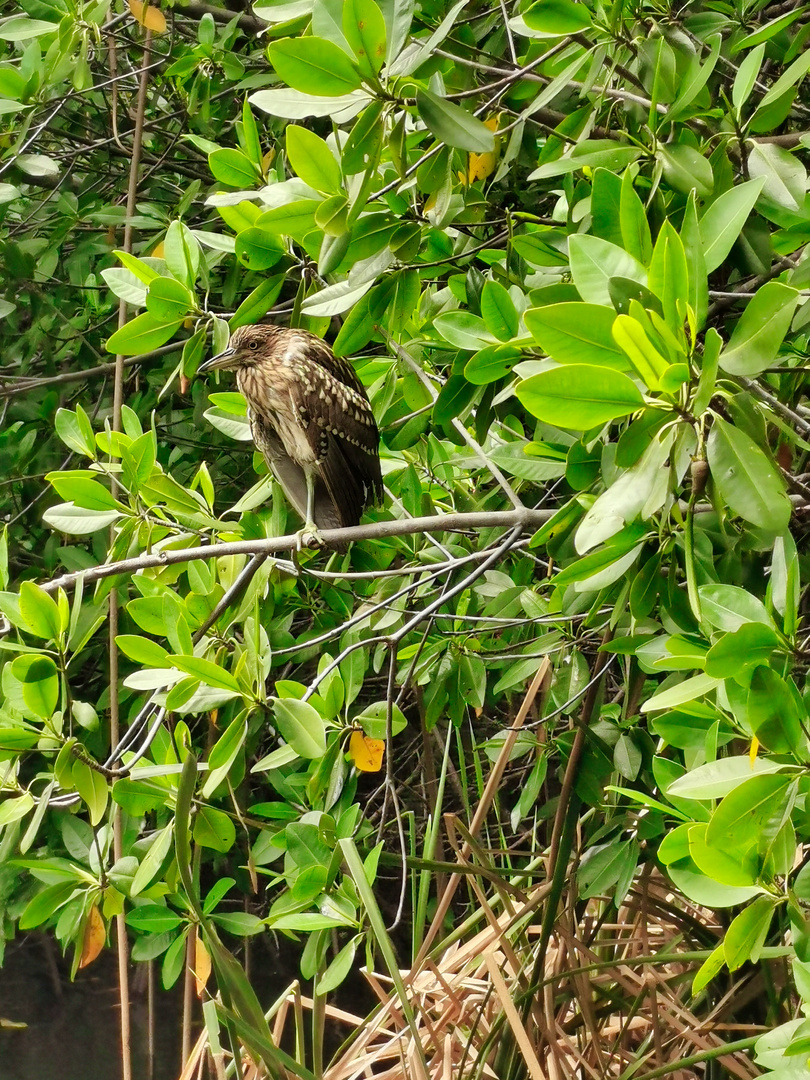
{"points": [[752, 753], [202, 964], [480, 166], [148, 15], [366, 753], [158, 252], [95, 936]]}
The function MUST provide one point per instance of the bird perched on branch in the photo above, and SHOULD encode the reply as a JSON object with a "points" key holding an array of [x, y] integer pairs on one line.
{"points": [[310, 417]]}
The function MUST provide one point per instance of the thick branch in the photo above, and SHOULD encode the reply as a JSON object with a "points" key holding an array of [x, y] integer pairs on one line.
{"points": [[376, 530]]}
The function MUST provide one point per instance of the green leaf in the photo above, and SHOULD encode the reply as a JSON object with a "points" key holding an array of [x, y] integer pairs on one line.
{"points": [[181, 250], [76, 431], [453, 125], [760, 330], [638, 491], [463, 329], [374, 720], [153, 860], [138, 797], [790, 77], [728, 607], [301, 726], [168, 299], [359, 326], [680, 693], [698, 297], [595, 261], [686, 169], [579, 396], [83, 490], [255, 306], [142, 650], [76, 521], [723, 221], [635, 228], [142, 270], [145, 333], [745, 78], [40, 612], [312, 159], [716, 779], [574, 333], [339, 968], [694, 83], [206, 671], [491, 363], [669, 277], [746, 935], [233, 168], [295, 219], [768, 31], [365, 141], [258, 249], [293, 105], [364, 29], [223, 754], [773, 711], [629, 334], [719, 865], [710, 967], [784, 176], [743, 648], [40, 683], [751, 815], [557, 18], [591, 154], [93, 789], [746, 479], [153, 919], [239, 923], [499, 311], [606, 191], [125, 285], [214, 829], [314, 66], [45, 903]]}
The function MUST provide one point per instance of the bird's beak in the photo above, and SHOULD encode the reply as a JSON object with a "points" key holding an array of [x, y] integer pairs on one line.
{"points": [[222, 361]]}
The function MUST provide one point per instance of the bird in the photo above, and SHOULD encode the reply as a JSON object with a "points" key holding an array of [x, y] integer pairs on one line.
{"points": [[311, 418]]}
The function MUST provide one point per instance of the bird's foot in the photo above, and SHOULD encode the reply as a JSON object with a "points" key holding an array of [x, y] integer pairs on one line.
{"points": [[309, 537]]}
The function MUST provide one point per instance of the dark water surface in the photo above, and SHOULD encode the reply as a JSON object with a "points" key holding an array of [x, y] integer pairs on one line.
{"points": [[73, 1028]]}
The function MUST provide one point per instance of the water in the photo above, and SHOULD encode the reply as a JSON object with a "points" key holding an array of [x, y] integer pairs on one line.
{"points": [[72, 1029]]}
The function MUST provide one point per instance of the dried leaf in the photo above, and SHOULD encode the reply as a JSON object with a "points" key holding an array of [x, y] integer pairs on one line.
{"points": [[366, 754], [202, 965], [148, 15], [480, 166], [95, 936]]}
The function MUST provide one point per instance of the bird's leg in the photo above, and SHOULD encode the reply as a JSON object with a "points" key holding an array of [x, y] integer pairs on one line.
{"points": [[310, 535]]}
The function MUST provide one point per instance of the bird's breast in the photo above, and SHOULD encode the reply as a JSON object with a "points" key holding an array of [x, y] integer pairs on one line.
{"points": [[277, 430]]}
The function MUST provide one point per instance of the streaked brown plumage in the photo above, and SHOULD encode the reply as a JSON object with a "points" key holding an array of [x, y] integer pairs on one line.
{"points": [[310, 417]]}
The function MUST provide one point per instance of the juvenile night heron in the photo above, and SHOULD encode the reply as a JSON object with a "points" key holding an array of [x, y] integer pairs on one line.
{"points": [[310, 417]]}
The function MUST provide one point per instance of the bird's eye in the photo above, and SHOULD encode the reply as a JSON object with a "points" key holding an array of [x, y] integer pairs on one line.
{"points": [[253, 345]]}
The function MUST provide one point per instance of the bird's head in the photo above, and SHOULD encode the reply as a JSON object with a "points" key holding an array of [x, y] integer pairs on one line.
{"points": [[248, 345]]}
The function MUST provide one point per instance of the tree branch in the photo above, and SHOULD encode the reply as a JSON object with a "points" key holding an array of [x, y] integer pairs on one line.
{"points": [[524, 518]]}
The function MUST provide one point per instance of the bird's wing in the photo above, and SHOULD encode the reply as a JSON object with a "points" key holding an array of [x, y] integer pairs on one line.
{"points": [[340, 425], [338, 366]]}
